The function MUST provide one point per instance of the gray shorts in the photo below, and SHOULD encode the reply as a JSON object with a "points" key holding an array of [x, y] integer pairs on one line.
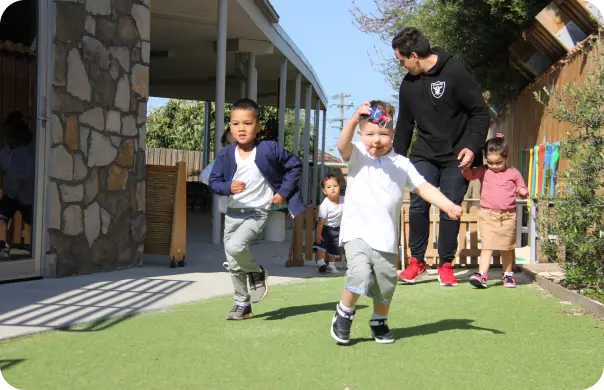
{"points": [[370, 272]]}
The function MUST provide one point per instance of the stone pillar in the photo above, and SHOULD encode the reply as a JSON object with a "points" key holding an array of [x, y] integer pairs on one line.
{"points": [[96, 185]]}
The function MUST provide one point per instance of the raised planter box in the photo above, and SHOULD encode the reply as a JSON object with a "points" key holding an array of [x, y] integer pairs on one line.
{"points": [[565, 294]]}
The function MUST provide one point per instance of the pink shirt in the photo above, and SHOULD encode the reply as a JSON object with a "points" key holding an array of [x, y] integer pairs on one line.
{"points": [[498, 189]]}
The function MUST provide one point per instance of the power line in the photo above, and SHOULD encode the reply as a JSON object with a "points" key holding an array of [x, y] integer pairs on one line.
{"points": [[342, 105]]}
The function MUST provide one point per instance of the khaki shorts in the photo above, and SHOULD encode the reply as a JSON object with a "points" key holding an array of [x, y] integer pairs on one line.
{"points": [[497, 229], [370, 272]]}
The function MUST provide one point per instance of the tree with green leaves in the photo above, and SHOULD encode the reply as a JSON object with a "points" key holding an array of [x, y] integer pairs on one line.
{"points": [[478, 32], [179, 125]]}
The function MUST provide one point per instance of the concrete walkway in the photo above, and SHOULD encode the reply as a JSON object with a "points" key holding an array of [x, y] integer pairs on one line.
{"points": [[40, 305]]}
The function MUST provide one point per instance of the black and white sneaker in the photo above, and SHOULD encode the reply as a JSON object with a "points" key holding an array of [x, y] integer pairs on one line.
{"points": [[381, 332], [239, 312], [340, 325], [5, 252], [331, 269], [258, 285], [322, 266]]}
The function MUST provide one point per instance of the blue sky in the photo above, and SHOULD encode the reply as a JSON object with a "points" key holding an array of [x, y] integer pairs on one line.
{"points": [[337, 50]]}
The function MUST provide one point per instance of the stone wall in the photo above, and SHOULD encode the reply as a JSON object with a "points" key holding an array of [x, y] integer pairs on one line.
{"points": [[96, 187]]}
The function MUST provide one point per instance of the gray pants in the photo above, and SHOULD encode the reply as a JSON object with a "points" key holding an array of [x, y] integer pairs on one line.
{"points": [[240, 227], [370, 272]]}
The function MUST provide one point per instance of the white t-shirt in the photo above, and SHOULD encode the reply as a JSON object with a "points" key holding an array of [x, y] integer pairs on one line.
{"points": [[257, 193], [374, 195], [331, 212]]}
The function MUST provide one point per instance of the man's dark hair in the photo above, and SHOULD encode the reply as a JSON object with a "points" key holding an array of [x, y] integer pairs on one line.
{"points": [[411, 40], [246, 104]]}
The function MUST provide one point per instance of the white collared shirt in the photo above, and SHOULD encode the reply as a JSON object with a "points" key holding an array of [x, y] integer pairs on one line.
{"points": [[374, 195]]}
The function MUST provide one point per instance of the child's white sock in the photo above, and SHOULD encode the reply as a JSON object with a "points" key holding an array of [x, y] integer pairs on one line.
{"points": [[378, 317], [321, 263], [243, 304], [508, 273], [346, 308]]}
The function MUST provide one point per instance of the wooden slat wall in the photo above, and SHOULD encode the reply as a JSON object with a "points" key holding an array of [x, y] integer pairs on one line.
{"points": [[160, 194], [169, 157], [18, 85], [526, 123]]}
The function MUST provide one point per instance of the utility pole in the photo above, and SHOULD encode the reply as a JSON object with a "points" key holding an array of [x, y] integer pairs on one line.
{"points": [[341, 97]]}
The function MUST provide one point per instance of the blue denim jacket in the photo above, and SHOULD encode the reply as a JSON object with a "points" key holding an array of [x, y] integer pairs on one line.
{"points": [[279, 167]]}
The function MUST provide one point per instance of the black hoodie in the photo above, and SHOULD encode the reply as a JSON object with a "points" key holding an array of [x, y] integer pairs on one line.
{"points": [[450, 112]]}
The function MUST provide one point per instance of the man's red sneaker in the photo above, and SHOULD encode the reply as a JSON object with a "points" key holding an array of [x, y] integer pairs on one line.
{"points": [[414, 270], [445, 275]]}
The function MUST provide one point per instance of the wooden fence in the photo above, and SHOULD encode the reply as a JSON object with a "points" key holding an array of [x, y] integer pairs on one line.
{"points": [[169, 157], [468, 251], [526, 122]]}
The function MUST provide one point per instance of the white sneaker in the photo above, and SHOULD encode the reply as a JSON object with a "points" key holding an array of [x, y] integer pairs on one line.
{"points": [[331, 269]]}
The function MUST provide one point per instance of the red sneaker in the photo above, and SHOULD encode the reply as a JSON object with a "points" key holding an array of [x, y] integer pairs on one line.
{"points": [[414, 270], [445, 275]]}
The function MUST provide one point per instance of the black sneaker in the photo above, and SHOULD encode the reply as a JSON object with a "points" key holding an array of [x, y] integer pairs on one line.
{"points": [[323, 268], [340, 325], [381, 332], [240, 312], [258, 285], [4, 251]]}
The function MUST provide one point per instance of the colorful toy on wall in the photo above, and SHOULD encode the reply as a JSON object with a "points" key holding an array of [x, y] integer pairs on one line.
{"points": [[553, 167], [542, 160], [530, 176], [535, 170], [541, 166], [546, 166]]}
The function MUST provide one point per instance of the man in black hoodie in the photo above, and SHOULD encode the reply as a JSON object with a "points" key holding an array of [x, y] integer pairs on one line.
{"points": [[441, 98]]}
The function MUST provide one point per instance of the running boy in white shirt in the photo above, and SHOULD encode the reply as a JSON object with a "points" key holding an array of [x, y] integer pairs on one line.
{"points": [[377, 178], [327, 235]]}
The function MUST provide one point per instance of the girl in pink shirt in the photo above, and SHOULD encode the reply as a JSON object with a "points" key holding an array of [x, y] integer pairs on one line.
{"points": [[497, 215]]}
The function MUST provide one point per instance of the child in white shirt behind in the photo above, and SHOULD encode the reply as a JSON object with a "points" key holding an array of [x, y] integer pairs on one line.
{"points": [[327, 235]]}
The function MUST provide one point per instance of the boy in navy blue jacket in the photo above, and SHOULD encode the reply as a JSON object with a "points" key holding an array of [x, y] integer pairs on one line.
{"points": [[256, 176]]}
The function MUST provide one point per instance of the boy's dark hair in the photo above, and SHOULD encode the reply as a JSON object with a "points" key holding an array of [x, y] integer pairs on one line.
{"points": [[15, 128], [411, 40], [328, 177], [496, 145], [247, 104]]}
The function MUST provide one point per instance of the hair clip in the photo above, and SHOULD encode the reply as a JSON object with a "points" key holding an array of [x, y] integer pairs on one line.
{"points": [[376, 116]]}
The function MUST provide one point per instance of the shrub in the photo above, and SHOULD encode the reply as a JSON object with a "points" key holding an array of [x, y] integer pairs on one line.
{"points": [[572, 227]]}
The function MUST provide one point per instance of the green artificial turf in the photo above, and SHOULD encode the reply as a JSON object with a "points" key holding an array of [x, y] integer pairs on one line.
{"points": [[447, 338]]}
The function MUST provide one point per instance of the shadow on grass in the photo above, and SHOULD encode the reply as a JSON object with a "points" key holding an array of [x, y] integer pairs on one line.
{"points": [[292, 311], [97, 325], [433, 328], [6, 364]]}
